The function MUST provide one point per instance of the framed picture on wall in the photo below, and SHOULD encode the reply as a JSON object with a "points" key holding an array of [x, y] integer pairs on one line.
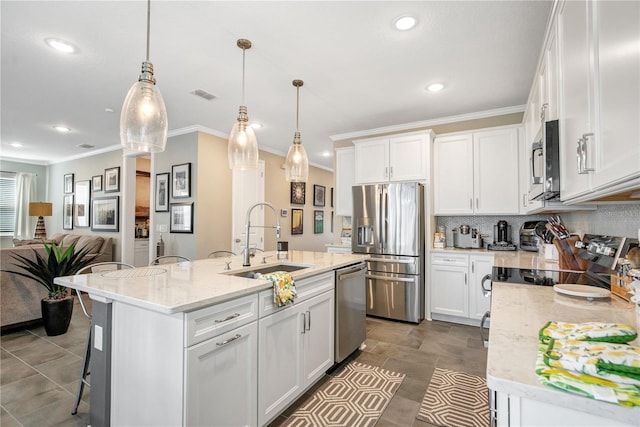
{"points": [[67, 212], [105, 213], [81, 217], [181, 220], [181, 176], [319, 195], [112, 180], [296, 221], [318, 222], [96, 183], [162, 192], [68, 183], [298, 193]]}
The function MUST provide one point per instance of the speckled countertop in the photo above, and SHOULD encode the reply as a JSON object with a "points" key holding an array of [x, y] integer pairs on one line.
{"points": [[515, 259], [187, 286]]}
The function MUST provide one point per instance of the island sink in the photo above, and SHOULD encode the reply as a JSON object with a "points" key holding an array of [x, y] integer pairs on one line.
{"points": [[251, 273]]}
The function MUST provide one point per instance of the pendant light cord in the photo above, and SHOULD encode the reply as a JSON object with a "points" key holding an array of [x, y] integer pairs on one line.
{"points": [[243, 50], [148, 26], [297, 108]]}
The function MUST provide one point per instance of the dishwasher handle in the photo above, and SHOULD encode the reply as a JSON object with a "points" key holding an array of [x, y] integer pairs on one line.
{"points": [[351, 273]]}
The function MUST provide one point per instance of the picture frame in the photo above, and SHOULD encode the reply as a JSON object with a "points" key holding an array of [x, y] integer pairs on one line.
{"points": [[105, 213], [112, 180], [67, 212], [162, 192], [68, 183], [331, 196], [296, 221], [82, 208], [318, 222], [96, 183], [181, 180], [181, 217], [319, 195], [298, 190]]}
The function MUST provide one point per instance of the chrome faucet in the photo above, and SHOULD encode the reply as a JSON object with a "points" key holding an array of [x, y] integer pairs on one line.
{"points": [[246, 254]]}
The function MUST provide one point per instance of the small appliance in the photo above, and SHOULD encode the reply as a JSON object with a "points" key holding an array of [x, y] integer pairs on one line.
{"points": [[529, 239], [467, 238], [502, 238], [544, 173]]}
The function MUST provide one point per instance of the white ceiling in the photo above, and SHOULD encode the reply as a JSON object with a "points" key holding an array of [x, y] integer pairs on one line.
{"points": [[359, 72]]}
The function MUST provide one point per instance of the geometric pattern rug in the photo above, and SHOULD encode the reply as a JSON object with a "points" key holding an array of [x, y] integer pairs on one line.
{"points": [[356, 396], [455, 399]]}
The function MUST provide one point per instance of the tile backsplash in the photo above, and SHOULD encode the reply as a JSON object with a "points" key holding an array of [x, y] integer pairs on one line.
{"points": [[614, 220]]}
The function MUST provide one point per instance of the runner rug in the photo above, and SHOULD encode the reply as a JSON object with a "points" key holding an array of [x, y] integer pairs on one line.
{"points": [[356, 396], [455, 399]]}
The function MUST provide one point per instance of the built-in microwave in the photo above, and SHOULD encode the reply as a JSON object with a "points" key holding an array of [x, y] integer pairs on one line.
{"points": [[544, 163]]}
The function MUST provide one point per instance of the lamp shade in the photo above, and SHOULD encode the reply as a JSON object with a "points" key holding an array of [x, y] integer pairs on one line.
{"points": [[296, 165], [143, 122], [40, 209], [243, 145]]}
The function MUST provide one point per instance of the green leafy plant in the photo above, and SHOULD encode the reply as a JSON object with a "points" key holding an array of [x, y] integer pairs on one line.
{"points": [[58, 262]]}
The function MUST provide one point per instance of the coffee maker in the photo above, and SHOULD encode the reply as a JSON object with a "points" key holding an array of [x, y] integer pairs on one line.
{"points": [[502, 238]]}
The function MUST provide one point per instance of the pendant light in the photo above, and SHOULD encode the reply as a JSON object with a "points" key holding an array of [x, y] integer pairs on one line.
{"points": [[143, 121], [243, 147], [296, 165]]}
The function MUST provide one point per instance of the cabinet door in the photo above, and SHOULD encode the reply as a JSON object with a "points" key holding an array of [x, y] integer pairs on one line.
{"points": [[618, 148], [575, 94], [479, 266], [318, 337], [230, 359], [279, 361], [345, 179], [408, 158], [496, 172], [449, 292], [453, 175], [372, 161], [551, 75]]}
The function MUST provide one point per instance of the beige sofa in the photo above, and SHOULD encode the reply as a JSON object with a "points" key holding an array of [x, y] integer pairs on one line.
{"points": [[19, 296]]}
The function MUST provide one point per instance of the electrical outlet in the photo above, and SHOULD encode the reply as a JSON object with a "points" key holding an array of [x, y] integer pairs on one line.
{"points": [[162, 228]]}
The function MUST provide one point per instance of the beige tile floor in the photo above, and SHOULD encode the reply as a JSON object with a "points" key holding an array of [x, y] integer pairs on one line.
{"points": [[39, 375]]}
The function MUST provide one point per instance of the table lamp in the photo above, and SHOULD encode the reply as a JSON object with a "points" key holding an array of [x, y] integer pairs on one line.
{"points": [[40, 209]]}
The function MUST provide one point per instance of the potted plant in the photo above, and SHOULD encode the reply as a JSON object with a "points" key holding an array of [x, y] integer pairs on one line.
{"points": [[57, 307]]}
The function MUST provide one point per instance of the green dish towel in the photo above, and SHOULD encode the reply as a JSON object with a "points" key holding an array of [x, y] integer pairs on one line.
{"points": [[588, 331]]}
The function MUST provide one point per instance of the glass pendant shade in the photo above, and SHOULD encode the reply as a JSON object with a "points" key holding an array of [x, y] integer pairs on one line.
{"points": [[296, 164], [143, 121], [243, 146]]}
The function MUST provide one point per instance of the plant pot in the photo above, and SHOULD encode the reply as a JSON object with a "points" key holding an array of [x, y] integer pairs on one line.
{"points": [[56, 315]]}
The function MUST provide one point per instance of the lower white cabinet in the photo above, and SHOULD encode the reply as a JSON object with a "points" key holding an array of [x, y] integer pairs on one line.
{"points": [[296, 346], [456, 292], [141, 253]]}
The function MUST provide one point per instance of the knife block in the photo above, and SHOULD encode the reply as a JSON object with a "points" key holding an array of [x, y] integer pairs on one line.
{"points": [[568, 254]]}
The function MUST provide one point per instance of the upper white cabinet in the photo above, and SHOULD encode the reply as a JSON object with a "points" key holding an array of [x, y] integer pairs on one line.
{"points": [[599, 63], [402, 157], [345, 179], [477, 173]]}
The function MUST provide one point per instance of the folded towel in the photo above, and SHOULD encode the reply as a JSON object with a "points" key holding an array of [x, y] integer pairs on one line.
{"points": [[284, 288], [589, 331], [610, 361]]}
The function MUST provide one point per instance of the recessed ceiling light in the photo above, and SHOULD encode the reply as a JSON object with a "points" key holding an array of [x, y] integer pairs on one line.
{"points": [[255, 125], [435, 87], [61, 128], [405, 23], [326, 154], [60, 45], [16, 144], [108, 110]]}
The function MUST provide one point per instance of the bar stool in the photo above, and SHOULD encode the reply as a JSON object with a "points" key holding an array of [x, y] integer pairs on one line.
{"points": [[168, 259]]}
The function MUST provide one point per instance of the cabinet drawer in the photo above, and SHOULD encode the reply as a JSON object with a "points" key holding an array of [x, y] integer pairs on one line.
{"points": [[450, 259], [305, 288], [220, 318]]}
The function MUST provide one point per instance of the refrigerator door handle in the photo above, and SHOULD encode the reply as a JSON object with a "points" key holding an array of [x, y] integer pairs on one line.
{"points": [[394, 261]]}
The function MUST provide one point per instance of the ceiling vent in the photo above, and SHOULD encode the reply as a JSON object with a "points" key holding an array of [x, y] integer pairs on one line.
{"points": [[203, 94], [87, 146]]}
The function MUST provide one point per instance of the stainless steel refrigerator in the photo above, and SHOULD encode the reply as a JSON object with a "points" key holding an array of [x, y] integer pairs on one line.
{"points": [[388, 224]]}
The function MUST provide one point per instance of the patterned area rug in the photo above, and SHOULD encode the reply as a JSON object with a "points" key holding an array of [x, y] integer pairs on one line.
{"points": [[455, 399], [356, 396]]}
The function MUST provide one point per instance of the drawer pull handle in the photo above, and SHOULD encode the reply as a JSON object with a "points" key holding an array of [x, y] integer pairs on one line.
{"points": [[226, 319], [228, 340]]}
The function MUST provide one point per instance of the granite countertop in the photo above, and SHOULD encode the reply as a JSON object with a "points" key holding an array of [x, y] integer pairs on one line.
{"points": [[187, 286], [517, 314], [514, 259]]}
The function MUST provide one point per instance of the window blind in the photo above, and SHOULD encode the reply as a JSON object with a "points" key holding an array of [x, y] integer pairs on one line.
{"points": [[7, 202]]}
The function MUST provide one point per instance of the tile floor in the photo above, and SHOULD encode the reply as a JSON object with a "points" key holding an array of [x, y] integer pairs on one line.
{"points": [[39, 374]]}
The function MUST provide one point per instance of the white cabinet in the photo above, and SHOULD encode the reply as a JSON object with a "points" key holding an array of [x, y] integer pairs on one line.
{"points": [[141, 253], [477, 173], [345, 179], [599, 83], [296, 345], [456, 291], [402, 157]]}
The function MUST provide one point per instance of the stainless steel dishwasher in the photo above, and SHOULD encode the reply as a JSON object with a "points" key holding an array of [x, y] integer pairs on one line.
{"points": [[351, 323]]}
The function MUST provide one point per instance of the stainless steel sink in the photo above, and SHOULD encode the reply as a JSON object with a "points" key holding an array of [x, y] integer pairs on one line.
{"points": [[250, 273]]}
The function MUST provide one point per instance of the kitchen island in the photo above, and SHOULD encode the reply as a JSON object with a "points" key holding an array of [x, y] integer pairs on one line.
{"points": [[517, 314], [193, 343]]}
